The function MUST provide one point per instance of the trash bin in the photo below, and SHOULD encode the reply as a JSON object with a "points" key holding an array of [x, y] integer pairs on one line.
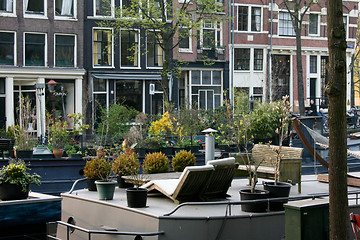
{"points": [[307, 219]]}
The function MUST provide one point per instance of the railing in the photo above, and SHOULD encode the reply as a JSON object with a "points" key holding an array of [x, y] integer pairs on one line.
{"points": [[211, 52], [268, 200], [70, 228]]}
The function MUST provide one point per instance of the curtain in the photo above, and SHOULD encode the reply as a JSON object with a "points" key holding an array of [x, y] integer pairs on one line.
{"points": [[66, 8], [9, 5], [258, 19], [26, 3]]}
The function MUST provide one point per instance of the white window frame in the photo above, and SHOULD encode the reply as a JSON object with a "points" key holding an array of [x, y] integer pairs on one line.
{"points": [[318, 24], [10, 14], [346, 25], [45, 48], [214, 26], [35, 15], [288, 20], [67, 17], [15, 44], [147, 66], [75, 48], [249, 16], [112, 48], [138, 50], [112, 2], [189, 49]]}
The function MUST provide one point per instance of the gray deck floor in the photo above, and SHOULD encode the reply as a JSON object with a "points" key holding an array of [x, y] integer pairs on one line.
{"points": [[160, 205]]}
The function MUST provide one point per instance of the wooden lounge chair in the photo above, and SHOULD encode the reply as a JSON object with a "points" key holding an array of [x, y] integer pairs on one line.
{"points": [[189, 187], [221, 179]]}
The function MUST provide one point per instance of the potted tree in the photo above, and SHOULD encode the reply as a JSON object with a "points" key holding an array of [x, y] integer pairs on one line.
{"points": [[58, 137], [15, 181], [279, 189], [156, 162], [105, 185], [125, 163], [241, 126]]}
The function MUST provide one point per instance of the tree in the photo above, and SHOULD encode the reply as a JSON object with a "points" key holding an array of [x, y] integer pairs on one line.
{"points": [[297, 10], [167, 22], [336, 90]]}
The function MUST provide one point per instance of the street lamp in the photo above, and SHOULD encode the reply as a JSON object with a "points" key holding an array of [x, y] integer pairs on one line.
{"points": [[51, 87]]}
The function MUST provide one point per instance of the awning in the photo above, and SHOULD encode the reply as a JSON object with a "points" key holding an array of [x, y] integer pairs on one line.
{"points": [[128, 76]]}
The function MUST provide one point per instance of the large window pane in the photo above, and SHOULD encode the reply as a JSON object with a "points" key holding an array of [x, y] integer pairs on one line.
{"points": [[99, 85], [6, 48], [184, 38], [102, 48], [6, 5], [34, 49], [64, 51], [34, 6], [285, 25], [258, 59], [313, 25], [129, 93], [154, 51], [313, 64], [255, 19], [206, 77], [103, 8], [216, 77], [242, 59], [195, 77], [129, 48], [243, 18], [64, 7]]}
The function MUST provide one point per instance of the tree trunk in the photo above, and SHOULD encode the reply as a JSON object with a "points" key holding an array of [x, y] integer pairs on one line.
{"points": [[300, 76], [336, 90]]}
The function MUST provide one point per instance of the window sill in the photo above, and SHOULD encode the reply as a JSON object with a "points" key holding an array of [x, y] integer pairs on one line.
{"points": [[103, 66], [35, 16], [153, 67], [7, 14], [128, 67], [65, 18], [185, 50]]}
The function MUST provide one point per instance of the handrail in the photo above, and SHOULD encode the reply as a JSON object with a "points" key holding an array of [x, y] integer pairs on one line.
{"points": [[74, 184], [268, 200], [89, 232]]}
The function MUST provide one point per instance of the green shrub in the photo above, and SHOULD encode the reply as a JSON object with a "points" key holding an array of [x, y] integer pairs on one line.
{"points": [[156, 163], [126, 163], [182, 159], [98, 168]]}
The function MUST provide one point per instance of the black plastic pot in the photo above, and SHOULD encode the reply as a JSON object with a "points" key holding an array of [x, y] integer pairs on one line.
{"points": [[168, 151], [281, 189], [91, 184], [246, 194], [122, 183], [24, 154], [9, 191], [136, 198]]}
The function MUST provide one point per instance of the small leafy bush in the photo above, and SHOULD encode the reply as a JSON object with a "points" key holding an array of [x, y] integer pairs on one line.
{"points": [[126, 163], [156, 163], [16, 173], [182, 159], [98, 168]]}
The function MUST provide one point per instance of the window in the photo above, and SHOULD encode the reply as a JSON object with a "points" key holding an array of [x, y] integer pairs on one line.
{"points": [[102, 47], [184, 39], [103, 8], [255, 19], [211, 35], [206, 89], [154, 50], [6, 48], [313, 24], [64, 8], [129, 48], [7, 6], [345, 24], [313, 64], [34, 6], [34, 49], [64, 50], [258, 59], [242, 59], [285, 25], [243, 18]]}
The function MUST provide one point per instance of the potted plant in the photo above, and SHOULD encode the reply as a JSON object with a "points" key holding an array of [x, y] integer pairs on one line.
{"points": [[15, 180], [251, 193], [23, 142], [279, 189], [105, 185], [183, 159], [93, 172], [73, 151], [58, 137], [155, 162], [137, 196], [125, 163]]}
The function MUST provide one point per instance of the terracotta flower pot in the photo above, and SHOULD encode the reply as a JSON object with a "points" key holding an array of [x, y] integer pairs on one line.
{"points": [[58, 153]]}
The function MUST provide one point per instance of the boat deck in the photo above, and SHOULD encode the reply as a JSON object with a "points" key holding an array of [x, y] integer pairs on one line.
{"points": [[188, 222]]}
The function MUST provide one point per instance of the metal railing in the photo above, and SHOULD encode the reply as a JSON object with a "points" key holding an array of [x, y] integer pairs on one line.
{"points": [[70, 228], [268, 200]]}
